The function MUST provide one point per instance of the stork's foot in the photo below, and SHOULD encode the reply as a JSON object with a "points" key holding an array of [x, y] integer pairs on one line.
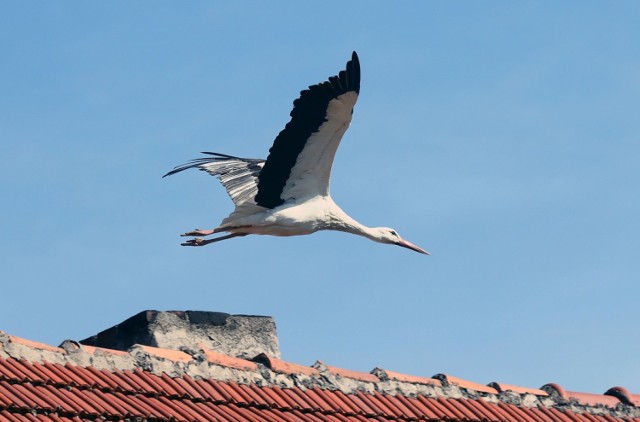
{"points": [[199, 232], [194, 242]]}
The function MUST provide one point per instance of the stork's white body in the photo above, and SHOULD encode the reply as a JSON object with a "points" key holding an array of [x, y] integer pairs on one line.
{"points": [[288, 194], [294, 218]]}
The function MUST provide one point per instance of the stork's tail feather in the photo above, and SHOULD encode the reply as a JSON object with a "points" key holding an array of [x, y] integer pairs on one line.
{"points": [[198, 162], [217, 158]]}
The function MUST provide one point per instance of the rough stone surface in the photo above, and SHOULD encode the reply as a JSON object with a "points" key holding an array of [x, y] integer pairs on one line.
{"points": [[243, 336]]}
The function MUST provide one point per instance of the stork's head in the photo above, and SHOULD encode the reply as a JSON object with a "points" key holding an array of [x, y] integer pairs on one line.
{"points": [[388, 235]]}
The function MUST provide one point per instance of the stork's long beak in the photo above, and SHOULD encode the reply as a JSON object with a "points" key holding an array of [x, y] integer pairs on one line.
{"points": [[411, 246]]}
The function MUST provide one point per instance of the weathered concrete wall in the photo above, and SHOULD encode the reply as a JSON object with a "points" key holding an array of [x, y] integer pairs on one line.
{"points": [[243, 336]]}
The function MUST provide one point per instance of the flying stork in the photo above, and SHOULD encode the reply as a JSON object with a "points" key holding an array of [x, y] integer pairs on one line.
{"points": [[288, 193]]}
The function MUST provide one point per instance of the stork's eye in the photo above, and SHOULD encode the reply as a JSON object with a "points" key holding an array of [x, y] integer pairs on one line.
{"points": [[393, 232]]}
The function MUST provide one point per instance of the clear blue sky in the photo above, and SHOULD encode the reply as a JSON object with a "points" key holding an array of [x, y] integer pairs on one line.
{"points": [[504, 137]]}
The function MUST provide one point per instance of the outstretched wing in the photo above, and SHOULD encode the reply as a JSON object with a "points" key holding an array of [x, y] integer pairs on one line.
{"points": [[300, 160], [239, 176]]}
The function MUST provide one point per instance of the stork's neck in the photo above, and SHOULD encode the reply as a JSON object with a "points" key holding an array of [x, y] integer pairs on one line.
{"points": [[347, 224]]}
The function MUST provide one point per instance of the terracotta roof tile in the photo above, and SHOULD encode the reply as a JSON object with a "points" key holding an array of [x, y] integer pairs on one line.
{"points": [[174, 355], [127, 382], [499, 412], [93, 398], [394, 404], [180, 411], [247, 395], [34, 344], [609, 400], [283, 393], [214, 394], [215, 409], [351, 405], [346, 373], [409, 405], [466, 407], [320, 399], [534, 414], [9, 372], [363, 400], [203, 411], [82, 376], [45, 376], [345, 404], [561, 416], [232, 393], [412, 379], [452, 407], [40, 397], [431, 404], [144, 382], [261, 397], [190, 391], [136, 406], [57, 376], [624, 395], [174, 383], [6, 416], [114, 378], [305, 401], [480, 412], [81, 403], [229, 361], [424, 410], [197, 387], [501, 387], [382, 404], [15, 393], [445, 408], [469, 385], [277, 365], [23, 370], [594, 399], [513, 413], [338, 402], [487, 411]]}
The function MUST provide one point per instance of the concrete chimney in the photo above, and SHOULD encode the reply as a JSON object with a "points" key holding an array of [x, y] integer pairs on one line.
{"points": [[244, 336]]}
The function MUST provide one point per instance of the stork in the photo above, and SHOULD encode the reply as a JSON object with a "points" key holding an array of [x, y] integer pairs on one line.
{"points": [[288, 193]]}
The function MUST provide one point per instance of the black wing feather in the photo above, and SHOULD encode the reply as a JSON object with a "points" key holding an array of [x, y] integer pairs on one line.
{"points": [[308, 114]]}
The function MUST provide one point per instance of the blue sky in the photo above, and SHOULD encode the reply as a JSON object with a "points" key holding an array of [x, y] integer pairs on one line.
{"points": [[501, 136]]}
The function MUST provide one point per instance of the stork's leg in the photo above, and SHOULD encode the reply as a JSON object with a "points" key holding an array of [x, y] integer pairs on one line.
{"points": [[201, 232], [201, 242]]}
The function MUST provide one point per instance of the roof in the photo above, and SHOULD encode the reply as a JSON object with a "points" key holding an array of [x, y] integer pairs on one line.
{"points": [[74, 382]]}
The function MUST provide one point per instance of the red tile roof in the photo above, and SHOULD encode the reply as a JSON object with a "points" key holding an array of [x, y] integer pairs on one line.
{"points": [[79, 383]]}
